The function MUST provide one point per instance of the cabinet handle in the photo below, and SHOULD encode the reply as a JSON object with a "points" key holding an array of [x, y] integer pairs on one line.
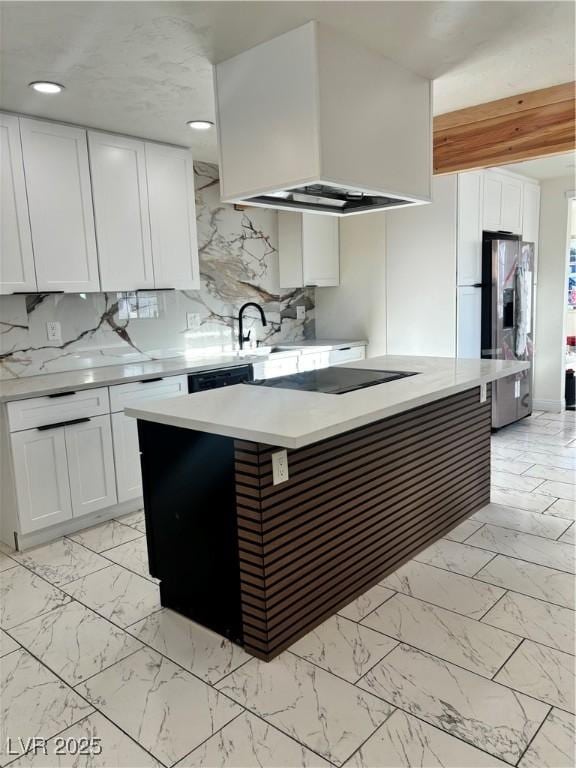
{"points": [[149, 381], [44, 427], [62, 394]]}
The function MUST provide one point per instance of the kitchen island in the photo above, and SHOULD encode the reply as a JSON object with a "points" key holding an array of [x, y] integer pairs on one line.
{"points": [[374, 476]]}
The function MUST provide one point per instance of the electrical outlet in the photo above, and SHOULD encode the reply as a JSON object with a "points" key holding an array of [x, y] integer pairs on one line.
{"points": [[192, 321], [279, 467], [300, 312], [483, 393], [54, 331]]}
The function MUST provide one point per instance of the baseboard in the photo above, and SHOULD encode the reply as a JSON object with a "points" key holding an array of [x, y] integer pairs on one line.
{"points": [[555, 406], [75, 524]]}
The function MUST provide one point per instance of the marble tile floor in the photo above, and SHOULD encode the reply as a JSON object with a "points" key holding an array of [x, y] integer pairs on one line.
{"points": [[462, 658]]}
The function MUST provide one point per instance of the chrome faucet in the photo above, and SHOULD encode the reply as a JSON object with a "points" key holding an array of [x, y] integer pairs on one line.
{"points": [[241, 337]]}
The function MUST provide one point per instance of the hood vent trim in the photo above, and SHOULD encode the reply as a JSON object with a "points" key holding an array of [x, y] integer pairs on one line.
{"points": [[323, 198]]}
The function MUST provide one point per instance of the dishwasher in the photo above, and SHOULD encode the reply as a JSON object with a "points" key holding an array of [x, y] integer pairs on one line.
{"points": [[214, 378]]}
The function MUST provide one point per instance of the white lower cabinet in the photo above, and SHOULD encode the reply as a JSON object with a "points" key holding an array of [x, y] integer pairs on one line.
{"points": [[127, 457], [41, 477], [90, 465], [63, 472]]}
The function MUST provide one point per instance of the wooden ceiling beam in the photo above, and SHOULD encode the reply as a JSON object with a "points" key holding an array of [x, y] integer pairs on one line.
{"points": [[506, 131]]}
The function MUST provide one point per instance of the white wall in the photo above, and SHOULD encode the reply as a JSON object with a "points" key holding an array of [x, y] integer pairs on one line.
{"points": [[551, 294], [421, 274], [357, 308]]}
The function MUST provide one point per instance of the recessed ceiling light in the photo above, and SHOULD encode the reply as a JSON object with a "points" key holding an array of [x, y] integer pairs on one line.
{"points": [[43, 86], [200, 125]]}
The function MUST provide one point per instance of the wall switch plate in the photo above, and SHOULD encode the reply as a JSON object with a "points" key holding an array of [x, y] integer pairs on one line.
{"points": [[192, 321], [279, 467], [483, 393], [54, 331], [300, 313]]}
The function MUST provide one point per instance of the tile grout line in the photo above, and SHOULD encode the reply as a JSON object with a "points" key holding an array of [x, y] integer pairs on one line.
{"points": [[501, 667], [533, 737]]}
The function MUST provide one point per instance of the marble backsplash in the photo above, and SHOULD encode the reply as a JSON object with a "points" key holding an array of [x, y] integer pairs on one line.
{"points": [[238, 263]]}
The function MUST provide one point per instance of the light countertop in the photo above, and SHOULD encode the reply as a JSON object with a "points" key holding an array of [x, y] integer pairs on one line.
{"points": [[292, 419], [85, 378]]}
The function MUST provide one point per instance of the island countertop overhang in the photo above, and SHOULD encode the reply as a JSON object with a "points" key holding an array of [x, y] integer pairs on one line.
{"points": [[294, 419]]}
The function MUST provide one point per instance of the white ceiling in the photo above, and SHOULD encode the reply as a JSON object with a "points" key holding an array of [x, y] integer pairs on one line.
{"points": [[144, 68], [546, 167]]}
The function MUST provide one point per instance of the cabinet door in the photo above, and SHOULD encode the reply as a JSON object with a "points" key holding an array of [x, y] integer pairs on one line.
{"points": [[468, 335], [16, 257], [127, 457], [41, 473], [290, 249], [170, 175], [60, 205], [320, 249], [469, 228], [531, 219], [121, 209], [511, 214], [492, 202], [90, 465]]}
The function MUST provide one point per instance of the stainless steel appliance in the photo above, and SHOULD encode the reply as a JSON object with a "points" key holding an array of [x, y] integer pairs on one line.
{"points": [[507, 320], [333, 381]]}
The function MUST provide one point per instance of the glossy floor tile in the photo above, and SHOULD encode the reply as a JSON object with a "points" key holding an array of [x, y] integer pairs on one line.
{"points": [[343, 647], [250, 741], [461, 658], [486, 714], [554, 745], [406, 742], [534, 619], [204, 653], [74, 642], [34, 702], [105, 536], [326, 714], [116, 593], [525, 546], [23, 596], [134, 556], [61, 561], [443, 633], [529, 579], [541, 672], [107, 747], [366, 603], [522, 520], [448, 590], [456, 557], [165, 709]]}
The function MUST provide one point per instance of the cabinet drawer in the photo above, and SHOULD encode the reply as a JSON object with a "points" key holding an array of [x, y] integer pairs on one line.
{"points": [[347, 355], [126, 395], [52, 409]]}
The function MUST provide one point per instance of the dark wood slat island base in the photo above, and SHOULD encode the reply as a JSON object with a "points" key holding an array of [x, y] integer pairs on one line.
{"points": [[263, 564]]}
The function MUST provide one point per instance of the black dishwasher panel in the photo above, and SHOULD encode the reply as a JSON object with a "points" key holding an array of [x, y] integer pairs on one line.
{"points": [[219, 377]]}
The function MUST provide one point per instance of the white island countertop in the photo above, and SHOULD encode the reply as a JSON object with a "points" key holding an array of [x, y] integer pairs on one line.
{"points": [[292, 419]]}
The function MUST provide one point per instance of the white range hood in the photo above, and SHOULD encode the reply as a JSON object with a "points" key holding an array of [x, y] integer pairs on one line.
{"points": [[312, 122]]}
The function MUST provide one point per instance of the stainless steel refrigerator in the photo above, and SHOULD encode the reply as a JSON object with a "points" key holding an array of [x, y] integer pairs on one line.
{"points": [[507, 320]]}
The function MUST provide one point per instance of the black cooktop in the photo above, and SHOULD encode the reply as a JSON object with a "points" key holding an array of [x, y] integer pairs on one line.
{"points": [[333, 381]]}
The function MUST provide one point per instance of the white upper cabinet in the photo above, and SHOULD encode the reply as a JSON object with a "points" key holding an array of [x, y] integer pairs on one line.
{"points": [[120, 194], [16, 257], [170, 175], [309, 250], [60, 206], [502, 203], [470, 187], [531, 219]]}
